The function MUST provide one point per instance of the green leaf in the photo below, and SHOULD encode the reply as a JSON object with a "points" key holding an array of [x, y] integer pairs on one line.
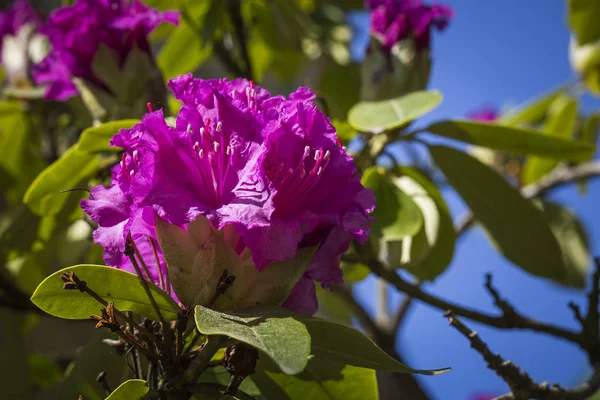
{"points": [[344, 131], [44, 195], [589, 132], [271, 330], [561, 121], [583, 18], [531, 112], [339, 95], [113, 285], [346, 345], [381, 116], [106, 67], [573, 241], [427, 254], [183, 40], [332, 307], [133, 389], [97, 138], [322, 379], [20, 161], [515, 225], [355, 272], [512, 139], [396, 214]]}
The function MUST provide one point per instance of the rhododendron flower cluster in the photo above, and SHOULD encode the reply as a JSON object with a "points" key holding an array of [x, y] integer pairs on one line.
{"points": [[394, 20], [266, 173], [19, 14], [77, 31], [19, 43]]}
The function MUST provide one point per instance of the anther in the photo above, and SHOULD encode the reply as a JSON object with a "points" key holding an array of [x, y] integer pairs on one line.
{"points": [[136, 156], [317, 154], [216, 146], [219, 126], [201, 153], [189, 128], [228, 150], [196, 146], [131, 172], [306, 151], [326, 156], [319, 171]]}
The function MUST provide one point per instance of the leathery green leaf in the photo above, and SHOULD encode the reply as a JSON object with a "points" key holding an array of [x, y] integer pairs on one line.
{"points": [[113, 285]]}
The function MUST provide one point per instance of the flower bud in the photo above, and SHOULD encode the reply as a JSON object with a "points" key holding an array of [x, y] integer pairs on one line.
{"points": [[585, 59], [398, 59], [200, 256], [103, 48], [21, 45]]}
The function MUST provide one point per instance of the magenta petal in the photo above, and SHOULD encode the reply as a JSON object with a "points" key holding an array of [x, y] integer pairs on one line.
{"points": [[303, 299]]}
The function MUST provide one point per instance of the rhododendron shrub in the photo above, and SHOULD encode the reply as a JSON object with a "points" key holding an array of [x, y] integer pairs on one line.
{"points": [[244, 207]]}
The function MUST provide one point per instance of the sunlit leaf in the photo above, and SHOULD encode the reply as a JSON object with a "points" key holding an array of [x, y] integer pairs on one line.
{"points": [[113, 285], [45, 195], [512, 139], [133, 389], [561, 122], [322, 379], [427, 254], [516, 226], [97, 138], [346, 345], [272, 330], [573, 240], [396, 214], [381, 116], [583, 18], [531, 112]]}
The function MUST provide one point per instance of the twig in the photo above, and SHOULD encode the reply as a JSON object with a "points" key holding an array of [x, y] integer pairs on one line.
{"points": [[522, 386], [561, 176], [401, 314], [503, 321], [73, 282], [202, 360], [130, 251]]}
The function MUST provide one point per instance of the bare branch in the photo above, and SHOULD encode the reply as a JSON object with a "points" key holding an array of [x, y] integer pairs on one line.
{"points": [[522, 386], [503, 321]]}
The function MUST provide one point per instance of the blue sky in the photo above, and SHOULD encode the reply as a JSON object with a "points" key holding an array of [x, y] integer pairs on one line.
{"points": [[496, 52]]}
